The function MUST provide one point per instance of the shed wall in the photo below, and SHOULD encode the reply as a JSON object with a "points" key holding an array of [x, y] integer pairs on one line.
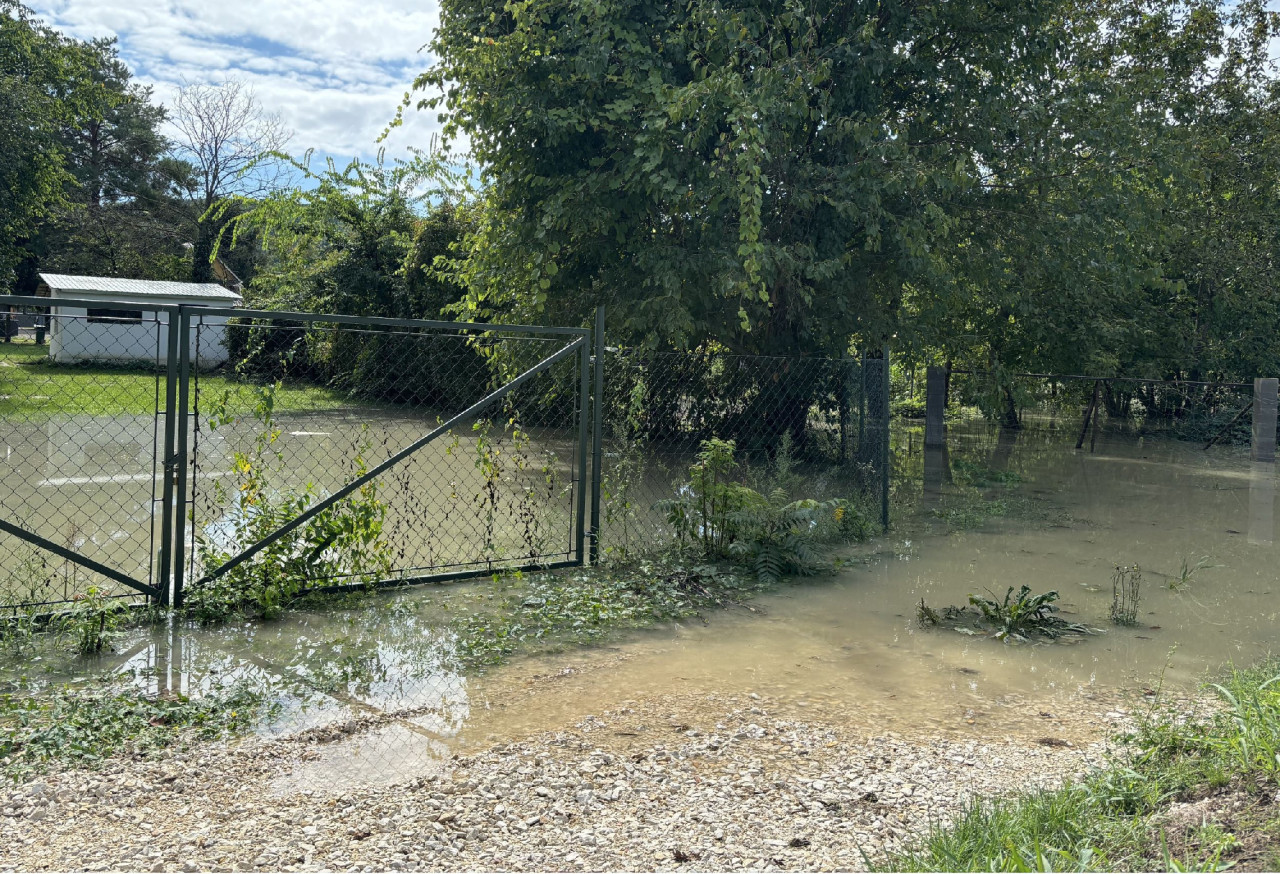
{"points": [[75, 339]]}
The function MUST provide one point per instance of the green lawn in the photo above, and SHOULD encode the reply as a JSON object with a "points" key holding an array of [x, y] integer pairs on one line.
{"points": [[32, 388]]}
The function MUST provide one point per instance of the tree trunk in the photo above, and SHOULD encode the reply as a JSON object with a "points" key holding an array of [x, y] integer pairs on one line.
{"points": [[1009, 419], [201, 262]]}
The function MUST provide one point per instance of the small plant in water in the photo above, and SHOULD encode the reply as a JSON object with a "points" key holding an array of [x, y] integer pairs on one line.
{"points": [[93, 619], [1126, 584], [1182, 579], [1015, 617], [1018, 615], [720, 517]]}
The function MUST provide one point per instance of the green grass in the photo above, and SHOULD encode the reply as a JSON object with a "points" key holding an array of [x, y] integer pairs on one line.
{"points": [[84, 725], [1114, 819], [547, 611], [32, 388]]}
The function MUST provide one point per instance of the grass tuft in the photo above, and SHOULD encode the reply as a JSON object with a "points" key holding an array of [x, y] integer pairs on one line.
{"points": [[1120, 817]]}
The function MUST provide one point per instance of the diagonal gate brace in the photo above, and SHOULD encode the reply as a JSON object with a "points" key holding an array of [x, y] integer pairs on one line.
{"points": [[75, 557], [469, 413]]}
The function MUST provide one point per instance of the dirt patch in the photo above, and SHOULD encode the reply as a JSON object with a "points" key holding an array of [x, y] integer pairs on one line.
{"points": [[1241, 827]]}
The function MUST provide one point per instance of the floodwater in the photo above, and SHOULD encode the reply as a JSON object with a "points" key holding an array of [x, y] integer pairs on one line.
{"points": [[1019, 509], [93, 484]]}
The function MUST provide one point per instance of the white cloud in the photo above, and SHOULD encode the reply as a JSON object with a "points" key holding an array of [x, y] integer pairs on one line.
{"points": [[335, 70]]}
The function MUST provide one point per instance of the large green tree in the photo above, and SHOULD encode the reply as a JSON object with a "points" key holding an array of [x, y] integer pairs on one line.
{"points": [[767, 174], [39, 72], [124, 213], [1125, 224]]}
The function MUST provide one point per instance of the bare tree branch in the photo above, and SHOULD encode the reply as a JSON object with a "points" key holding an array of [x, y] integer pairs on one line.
{"points": [[230, 141]]}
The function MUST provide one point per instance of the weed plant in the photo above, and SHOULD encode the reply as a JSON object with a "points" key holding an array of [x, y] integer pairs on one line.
{"points": [[1126, 591], [83, 726], [1181, 581], [344, 542], [1113, 818], [1016, 617], [715, 516]]}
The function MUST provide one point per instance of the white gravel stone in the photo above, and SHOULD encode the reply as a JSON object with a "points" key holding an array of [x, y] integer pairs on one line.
{"points": [[728, 783]]}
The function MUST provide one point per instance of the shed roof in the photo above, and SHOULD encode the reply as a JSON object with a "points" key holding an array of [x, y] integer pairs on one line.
{"points": [[150, 288]]}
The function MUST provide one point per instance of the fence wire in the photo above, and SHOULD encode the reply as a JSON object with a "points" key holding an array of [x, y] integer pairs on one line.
{"points": [[299, 411], [1189, 410], [814, 428], [81, 406]]}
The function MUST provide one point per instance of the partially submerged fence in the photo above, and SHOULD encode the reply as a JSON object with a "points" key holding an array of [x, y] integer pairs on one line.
{"points": [[1195, 410], [803, 428], [192, 449]]}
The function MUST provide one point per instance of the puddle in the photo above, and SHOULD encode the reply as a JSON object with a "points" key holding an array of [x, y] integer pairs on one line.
{"points": [[845, 648]]}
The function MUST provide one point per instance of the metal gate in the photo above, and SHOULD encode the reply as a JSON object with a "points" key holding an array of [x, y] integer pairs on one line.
{"points": [[350, 451], [346, 451], [87, 409]]}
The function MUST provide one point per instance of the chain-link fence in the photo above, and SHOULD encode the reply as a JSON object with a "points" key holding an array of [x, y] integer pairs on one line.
{"points": [[1192, 410], [82, 412], [1010, 439], [801, 428], [334, 452]]}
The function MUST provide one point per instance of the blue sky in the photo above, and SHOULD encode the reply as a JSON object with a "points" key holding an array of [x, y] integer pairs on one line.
{"points": [[335, 70]]}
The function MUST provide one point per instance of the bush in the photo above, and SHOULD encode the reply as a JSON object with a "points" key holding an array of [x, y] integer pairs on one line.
{"points": [[774, 535], [342, 543]]}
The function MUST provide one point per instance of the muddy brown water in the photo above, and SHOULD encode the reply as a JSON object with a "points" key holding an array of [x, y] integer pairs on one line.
{"points": [[845, 647]]}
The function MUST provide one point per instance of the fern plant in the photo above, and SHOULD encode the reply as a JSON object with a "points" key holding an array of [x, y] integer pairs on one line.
{"points": [[774, 536]]}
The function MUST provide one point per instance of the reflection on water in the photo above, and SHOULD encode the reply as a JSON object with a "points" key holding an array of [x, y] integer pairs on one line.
{"points": [[1200, 524], [1262, 503]]}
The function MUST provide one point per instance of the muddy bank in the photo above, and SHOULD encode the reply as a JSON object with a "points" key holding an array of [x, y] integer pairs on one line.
{"points": [[706, 783]]}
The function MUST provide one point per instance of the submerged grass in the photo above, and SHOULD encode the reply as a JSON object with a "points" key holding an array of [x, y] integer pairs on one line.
{"points": [[1126, 816], [541, 611], [84, 725]]}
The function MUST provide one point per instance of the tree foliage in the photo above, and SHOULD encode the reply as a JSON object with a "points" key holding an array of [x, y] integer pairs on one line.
{"points": [[38, 70], [765, 174], [1069, 185]]}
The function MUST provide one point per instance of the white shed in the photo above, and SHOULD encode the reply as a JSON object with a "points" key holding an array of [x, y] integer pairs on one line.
{"points": [[122, 328]]}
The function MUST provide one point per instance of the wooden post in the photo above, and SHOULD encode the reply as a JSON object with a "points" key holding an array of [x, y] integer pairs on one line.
{"points": [[1264, 419], [1097, 408], [1088, 414], [935, 407]]}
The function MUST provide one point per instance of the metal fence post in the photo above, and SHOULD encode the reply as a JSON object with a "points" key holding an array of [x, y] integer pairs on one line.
{"points": [[862, 407], [182, 461], [584, 400], [884, 445], [597, 435], [1264, 419], [935, 407], [169, 458]]}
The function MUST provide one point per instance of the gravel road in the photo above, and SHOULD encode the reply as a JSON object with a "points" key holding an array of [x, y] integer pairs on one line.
{"points": [[710, 784]]}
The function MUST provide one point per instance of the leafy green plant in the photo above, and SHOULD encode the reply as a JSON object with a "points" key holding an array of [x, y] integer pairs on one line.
{"points": [[775, 538], [1126, 586], [1017, 616], [703, 512], [344, 542], [83, 726], [773, 535], [93, 619]]}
